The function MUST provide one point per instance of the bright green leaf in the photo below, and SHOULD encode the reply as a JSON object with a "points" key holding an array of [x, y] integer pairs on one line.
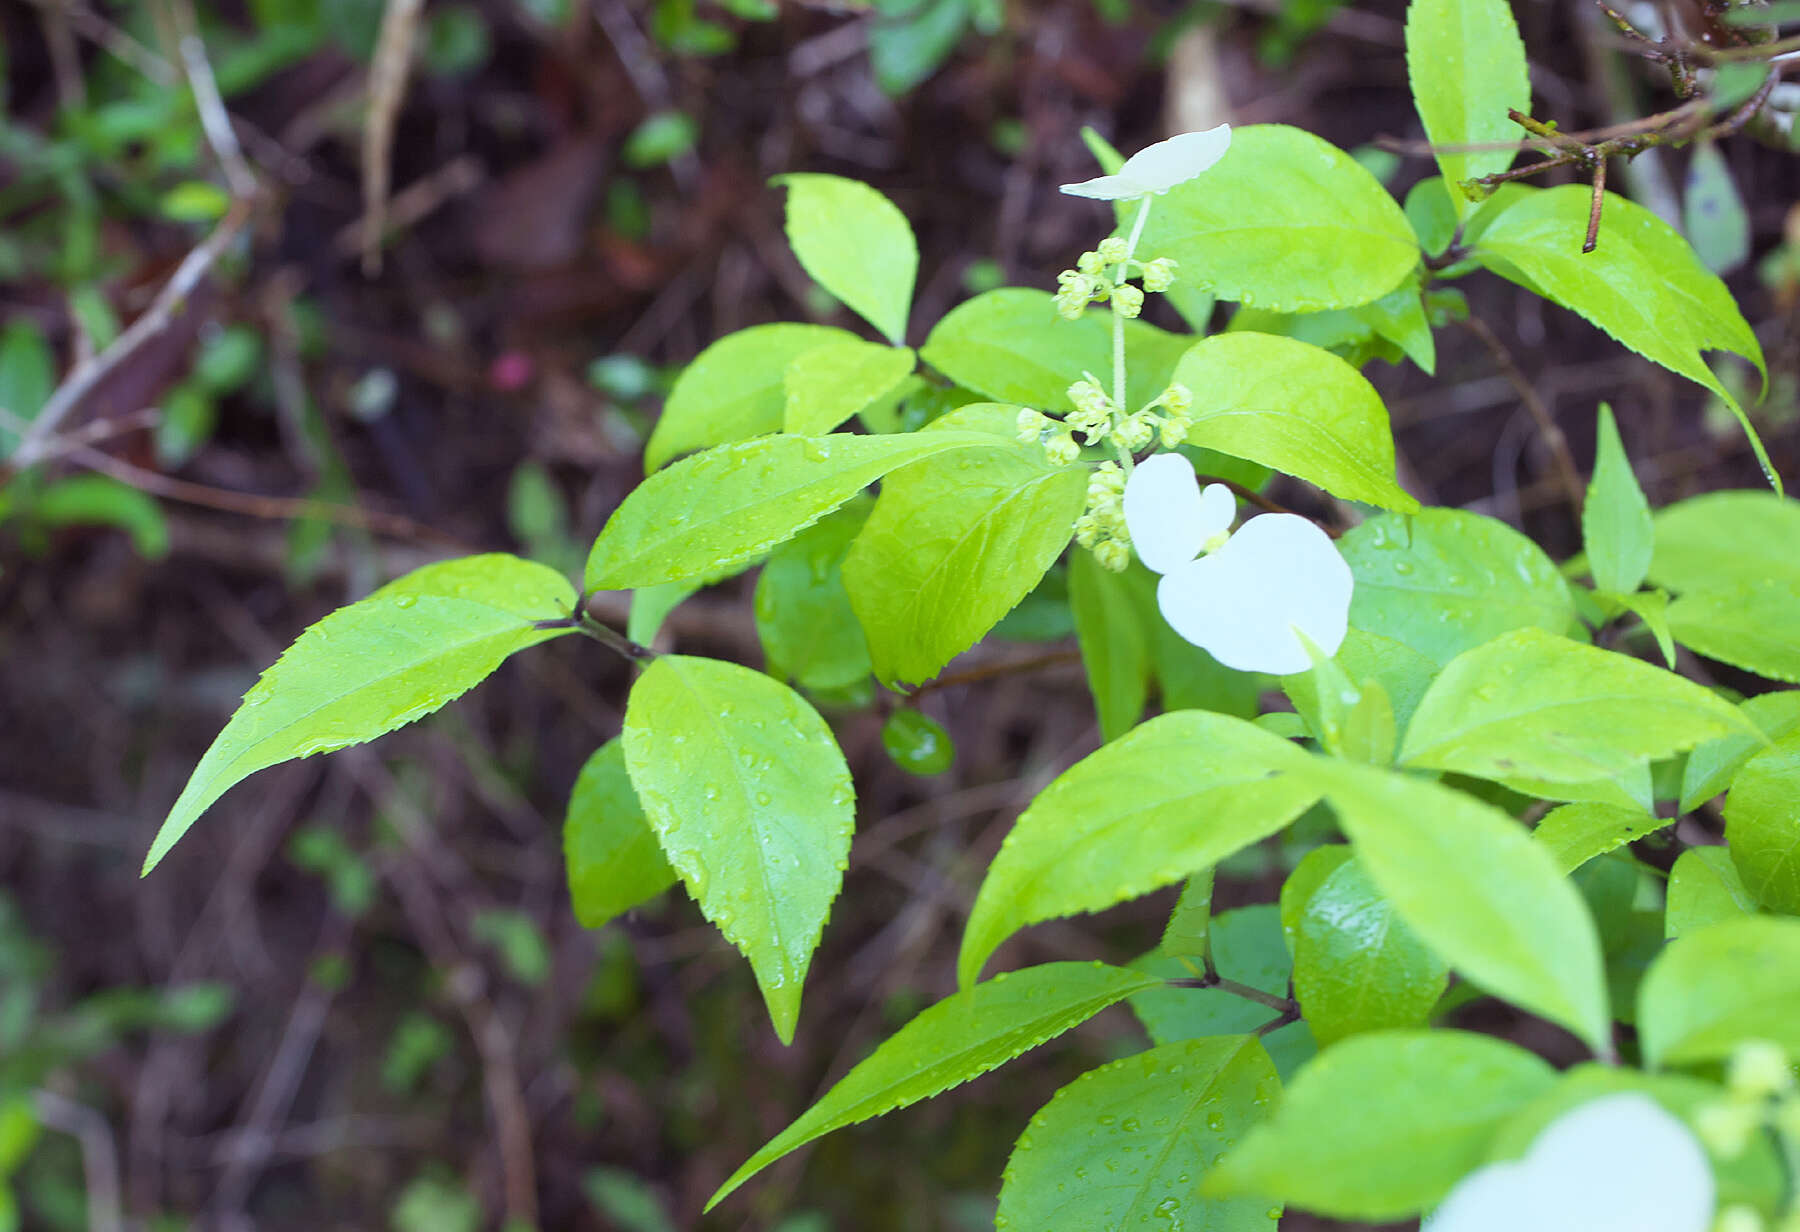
{"points": [[1472, 884], [1754, 625], [1466, 63], [1399, 316], [1762, 825], [418, 642], [1724, 538], [614, 859], [1112, 625], [1314, 868], [1287, 221], [1575, 833], [1357, 966], [1444, 581], [1711, 767], [954, 545], [1012, 346], [1704, 888], [651, 605], [748, 792], [725, 507], [1176, 795], [1381, 1126], [1715, 988], [1530, 704], [734, 389], [1294, 408], [808, 631], [959, 1038], [1122, 1146], [1190, 923], [829, 384], [855, 244], [1615, 519]]}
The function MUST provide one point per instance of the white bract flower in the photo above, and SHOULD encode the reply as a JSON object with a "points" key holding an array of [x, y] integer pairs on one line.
{"points": [[1243, 601], [1158, 168], [1620, 1161]]}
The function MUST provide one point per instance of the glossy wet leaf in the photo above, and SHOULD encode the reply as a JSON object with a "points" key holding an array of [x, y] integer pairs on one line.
{"points": [[752, 801], [615, 861], [722, 508], [829, 384], [1719, 986], [955, 543], [1473, 885], [1445, 581], [1573, 834], [418, 642], [855, 244], [808, 631], [1466, 64], [1175, 795], [1294, 408], [1381, 1126], [1125, 1146], [1533, 705], [917, 743], [1615, 519], [734, 389], [1012, 346], [1762, 825], [959, 1038], [1285, 221], [1358, 967]]}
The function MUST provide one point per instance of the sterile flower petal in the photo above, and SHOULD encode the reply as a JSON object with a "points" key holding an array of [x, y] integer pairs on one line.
{"points": [[1158, 168], [1162, 166], [1242, 603], [1218, 510], [1165, 513], [1621, 1161]]}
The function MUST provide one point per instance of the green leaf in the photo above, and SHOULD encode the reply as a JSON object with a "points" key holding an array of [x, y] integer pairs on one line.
{"points": [[195, 201], [829, 384], [959, 1038], [904, 50], [101, 500], [953, 546], [803, 617], [1122, 1146], [1314, 868], [734, 389], [662, 136], [1466, 63], [1477, 890], [1615, 520], [1712, 212], [651, 605], [1704, 888], [614, 859], [1382, 1126], [1294, 408], [856, 245], [1190, 923], [1284, 221], [1357, 966], [1762, 825], [1754, 625], [1399, 317], [1715, 988], [1530, 704], [1643, 284], [1711, 767], [1114, 634], [752, 801], [1444, 581], [1402, 673], [917, 743], [729, 505], [27, 375], [1012, 346], [418, 642], [1575, 833], [1724, 538], [1176, 795]]}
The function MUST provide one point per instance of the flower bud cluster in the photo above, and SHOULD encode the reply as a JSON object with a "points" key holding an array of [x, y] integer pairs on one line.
{"points": [[1103, 276], [1101, 528], [1762, 1095]]}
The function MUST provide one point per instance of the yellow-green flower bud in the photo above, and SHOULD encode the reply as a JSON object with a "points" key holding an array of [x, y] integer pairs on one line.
{"points": [[1136, 432], [1113, 556], [1738, 1218], [1087, 530], [1178, 398], [1174, 431], [1090, 263], [1031, 425], [1061, 449], [1726, 1126], [1758, 1070], [1113, 250], [1159, 275], [1127, 300]]}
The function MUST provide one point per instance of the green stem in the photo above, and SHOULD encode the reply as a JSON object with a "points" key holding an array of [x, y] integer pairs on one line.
{"points": [[1118, 322]]}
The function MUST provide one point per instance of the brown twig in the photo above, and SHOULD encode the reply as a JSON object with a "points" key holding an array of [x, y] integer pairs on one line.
{"points": [[99, 1155], [387, 90], [989, 671], [205, 88], [1568, 474], [169, 301]]}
